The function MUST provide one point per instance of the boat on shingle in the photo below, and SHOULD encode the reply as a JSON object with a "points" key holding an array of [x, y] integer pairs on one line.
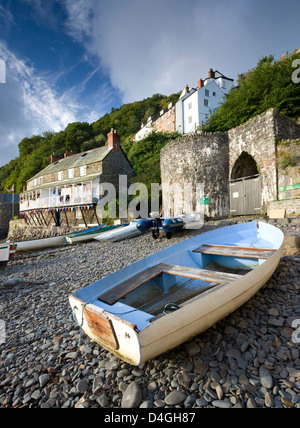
{"points": [[165, 299], [7, 251], [40, 244], [90, 234]]}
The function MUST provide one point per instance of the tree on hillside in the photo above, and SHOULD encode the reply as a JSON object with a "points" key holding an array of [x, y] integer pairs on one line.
{"points": [[269, 85]]}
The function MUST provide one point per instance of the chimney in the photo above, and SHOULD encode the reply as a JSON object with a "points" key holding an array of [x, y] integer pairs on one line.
{"points": [[114, 141], [69, 153], [200, 83], [56, 158], [211, 74]]}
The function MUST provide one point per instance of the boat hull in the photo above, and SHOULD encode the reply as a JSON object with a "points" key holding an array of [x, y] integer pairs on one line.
{"points": [[40, 244], [89, 236], [124, 232], [213, 306], [136, 343], [7, 252]]}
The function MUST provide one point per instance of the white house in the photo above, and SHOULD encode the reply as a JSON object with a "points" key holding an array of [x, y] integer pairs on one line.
{"points": [[195, 105], [144, 131]]}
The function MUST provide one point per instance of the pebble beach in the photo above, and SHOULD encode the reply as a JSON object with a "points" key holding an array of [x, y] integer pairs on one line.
{"points": [[249, 360]]}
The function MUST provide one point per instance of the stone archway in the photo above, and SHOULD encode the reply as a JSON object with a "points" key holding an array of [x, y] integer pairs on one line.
{"points": [[245, 187], [245, 166]]}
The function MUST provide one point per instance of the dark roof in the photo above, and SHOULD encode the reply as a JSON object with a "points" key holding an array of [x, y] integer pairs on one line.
{"points": [[80, 159]]}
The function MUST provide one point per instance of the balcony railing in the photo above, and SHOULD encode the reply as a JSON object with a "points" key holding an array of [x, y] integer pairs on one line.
{"points": [[57, 201]]}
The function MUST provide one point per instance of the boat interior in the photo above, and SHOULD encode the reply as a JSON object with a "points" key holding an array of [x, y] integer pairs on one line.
{"points": [[168, 283], [164, 285]]}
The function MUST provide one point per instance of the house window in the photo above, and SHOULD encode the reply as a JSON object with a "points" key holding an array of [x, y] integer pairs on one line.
{"points": [[60, 176], [163, 118], [206, 92], [82, 171], [40, 180], [169, 113], [214, 94], [190, 106], [190, 119], [34, 182], [206, 102], [169, 126], [71, 173]]}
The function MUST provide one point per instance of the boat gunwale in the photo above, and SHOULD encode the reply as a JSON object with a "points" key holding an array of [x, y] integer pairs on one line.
{"points": [[220, 287], [164, 326]]}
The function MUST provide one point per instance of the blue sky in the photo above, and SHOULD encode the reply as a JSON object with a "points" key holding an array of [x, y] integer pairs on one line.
{"points": [[73, 60]]}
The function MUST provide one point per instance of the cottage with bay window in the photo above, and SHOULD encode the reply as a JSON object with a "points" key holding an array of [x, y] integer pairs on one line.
{"points": [[68, 190]]}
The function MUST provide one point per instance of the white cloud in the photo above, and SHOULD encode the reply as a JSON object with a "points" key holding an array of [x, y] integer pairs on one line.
{"points": [[159, 46], [30, 105]]}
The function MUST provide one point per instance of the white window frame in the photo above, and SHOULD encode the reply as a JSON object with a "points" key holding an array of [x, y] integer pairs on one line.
{"points": [[82, 171], [71, 173], [60, 176]]}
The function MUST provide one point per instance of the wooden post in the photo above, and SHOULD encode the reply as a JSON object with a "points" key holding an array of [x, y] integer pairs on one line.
{"points": [[66, 217], [95, 212], [83, 217]]}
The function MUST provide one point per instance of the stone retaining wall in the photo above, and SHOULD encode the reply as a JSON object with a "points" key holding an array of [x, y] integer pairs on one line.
{"points": [[20, 231], [292, 206]]}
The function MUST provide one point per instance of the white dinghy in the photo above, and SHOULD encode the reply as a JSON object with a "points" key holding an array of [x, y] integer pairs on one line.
{"points": [[167, 298], [40, 244], [7, 252]]}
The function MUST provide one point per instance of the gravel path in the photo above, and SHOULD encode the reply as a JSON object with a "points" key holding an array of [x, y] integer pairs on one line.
{"points": [[250, 359]]}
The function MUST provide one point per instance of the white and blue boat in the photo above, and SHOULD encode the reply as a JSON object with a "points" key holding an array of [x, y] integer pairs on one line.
{"points": [[87, 235], [130, 230], [169, 297]]}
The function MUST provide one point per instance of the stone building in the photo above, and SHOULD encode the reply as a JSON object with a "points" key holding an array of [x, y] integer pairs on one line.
{"points": [[67, 191], [193, 108], [246, 170], [165, 121]]}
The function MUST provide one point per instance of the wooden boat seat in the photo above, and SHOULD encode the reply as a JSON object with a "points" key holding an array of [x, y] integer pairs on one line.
{"points": [[120, 291], [240, 252]]}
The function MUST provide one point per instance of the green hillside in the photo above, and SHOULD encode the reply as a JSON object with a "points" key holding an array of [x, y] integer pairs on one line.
{"points": [[35, 152], [269, 85]]}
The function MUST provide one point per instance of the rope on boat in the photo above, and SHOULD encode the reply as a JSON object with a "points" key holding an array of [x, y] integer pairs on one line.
{"points": [[77, 322]]}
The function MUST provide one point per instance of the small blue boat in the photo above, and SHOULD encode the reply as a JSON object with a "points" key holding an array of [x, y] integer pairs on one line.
{"points": [[130, 230], [169, 297]]}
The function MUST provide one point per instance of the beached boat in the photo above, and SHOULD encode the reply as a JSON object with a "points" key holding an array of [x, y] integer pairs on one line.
{"points": [[7, 251], [169, 297], [130, 230], [173, 224], [40, 244], [84, 235], [89, 234]]}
